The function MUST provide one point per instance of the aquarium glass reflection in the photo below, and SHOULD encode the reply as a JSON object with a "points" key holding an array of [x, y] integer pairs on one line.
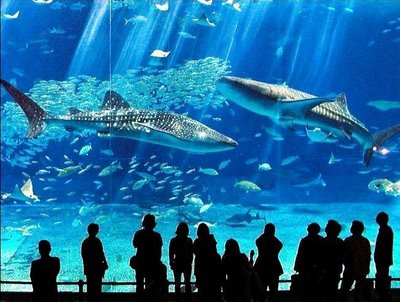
{"points": [[234, 113]]}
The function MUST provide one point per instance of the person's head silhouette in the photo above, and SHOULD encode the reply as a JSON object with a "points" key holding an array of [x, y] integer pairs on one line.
{"points": [[203, 230], [182, 229], [149, 222], [382, 219], [44, 248], [232, 247], [333, 228], [269, 229], [313, 228], [357, 227], [93, 229]]}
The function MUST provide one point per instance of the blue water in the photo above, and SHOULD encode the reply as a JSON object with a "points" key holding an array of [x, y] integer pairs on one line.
{"points": [[67, 54]]}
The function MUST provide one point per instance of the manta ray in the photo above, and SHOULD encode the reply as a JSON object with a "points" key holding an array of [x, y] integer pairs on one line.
{"points": [[25, 193], [288, 107], [116, 118]]}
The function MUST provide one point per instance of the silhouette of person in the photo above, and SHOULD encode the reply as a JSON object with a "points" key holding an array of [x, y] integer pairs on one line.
{"points": [[157, 289], [207, 265], [357, 257], [308, 263], [181, 258], [332, 261], [148, 244], [236, 270], [94, 262], [267, 265], [44, 273], [383, 256]]}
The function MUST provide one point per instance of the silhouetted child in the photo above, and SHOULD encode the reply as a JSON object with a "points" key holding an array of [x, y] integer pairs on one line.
{"points": [[181, 258], [383, 257], [207, 265], [236, 270], [148, 244], [94, 263], [44, 273], [357, 256], [309, 263], [267, 265], [157, 289], [332, 261]]}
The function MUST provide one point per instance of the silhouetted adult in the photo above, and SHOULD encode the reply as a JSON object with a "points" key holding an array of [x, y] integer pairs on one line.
{"points": [[94, 263], [236, 270], [357, 257], [383, 256], [207, 265], [181, 258], [267, 265], [148, 244], [308, 263], [332, 261], [44, 273]]}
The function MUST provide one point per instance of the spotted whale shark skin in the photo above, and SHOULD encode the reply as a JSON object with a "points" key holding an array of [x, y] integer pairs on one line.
{"points": [[287, 107], [116, 118]]}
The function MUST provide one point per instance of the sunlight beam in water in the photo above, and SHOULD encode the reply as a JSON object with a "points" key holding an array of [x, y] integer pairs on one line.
{"points": [[278, 67], [136, 45], [92, 52], [148, 36]]}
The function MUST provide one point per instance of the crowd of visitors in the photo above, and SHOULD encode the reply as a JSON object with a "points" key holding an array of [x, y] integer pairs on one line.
{"points": [[319, 263]]}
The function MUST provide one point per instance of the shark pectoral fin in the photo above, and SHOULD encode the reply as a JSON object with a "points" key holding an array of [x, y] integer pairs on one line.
{"points": [[300, 108], [69, 129], [114, 101]]}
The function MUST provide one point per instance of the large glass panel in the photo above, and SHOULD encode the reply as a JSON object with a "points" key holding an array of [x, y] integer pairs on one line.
{"points": [[181, 141]]}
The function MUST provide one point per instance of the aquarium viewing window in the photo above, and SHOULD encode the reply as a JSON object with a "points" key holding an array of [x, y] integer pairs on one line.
{"points": [[231, 113]]}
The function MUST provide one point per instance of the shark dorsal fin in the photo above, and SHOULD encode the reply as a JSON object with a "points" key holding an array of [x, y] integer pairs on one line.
{"points": [[73, 110], [114, 101], [341, 100]]}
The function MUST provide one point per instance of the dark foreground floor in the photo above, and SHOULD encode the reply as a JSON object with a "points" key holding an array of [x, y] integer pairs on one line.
{"points": [[285, 296]]}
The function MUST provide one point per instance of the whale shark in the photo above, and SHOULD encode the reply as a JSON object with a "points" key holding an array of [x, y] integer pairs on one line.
{"points": [[116, 118], [288, 107]]}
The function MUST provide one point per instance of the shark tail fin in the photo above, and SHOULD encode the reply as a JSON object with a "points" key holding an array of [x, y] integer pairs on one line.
{"points": [[34, 113], [379, 138]]}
